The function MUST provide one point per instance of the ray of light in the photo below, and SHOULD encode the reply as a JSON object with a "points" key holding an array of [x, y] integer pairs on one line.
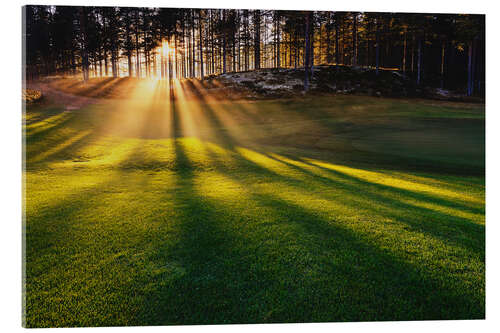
{"points": [[186, 111], [54, 150], [268, 163], [47, 123], [383, 179], [407, 199]]}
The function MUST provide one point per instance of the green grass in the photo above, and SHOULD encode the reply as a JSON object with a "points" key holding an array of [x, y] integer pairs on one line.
{"points": [[318, 209]]}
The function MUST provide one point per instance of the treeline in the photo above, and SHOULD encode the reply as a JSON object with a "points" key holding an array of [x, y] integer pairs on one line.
{"points": [[444, 50]]}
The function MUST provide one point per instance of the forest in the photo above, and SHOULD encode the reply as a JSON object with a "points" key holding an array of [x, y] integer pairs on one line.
{"points": [[439, 50]]}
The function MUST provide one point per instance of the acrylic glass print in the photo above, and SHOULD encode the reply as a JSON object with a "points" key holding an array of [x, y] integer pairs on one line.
{"points": [[223, 166]]}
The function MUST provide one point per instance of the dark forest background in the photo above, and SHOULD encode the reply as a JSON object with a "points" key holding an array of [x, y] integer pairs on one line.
{"points": [[440, 50]]}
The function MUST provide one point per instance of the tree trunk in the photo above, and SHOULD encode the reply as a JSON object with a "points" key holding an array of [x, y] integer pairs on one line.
{"points": [[354, 40], [224, 41], [419, 61], [311, 42], [129, 57], [257, 39], [377, 47], [328, 42], [146, 54], [128, 41], [278, 48], [113, 64], [404, 54], [247, 47], [73, 62], [175, 56], [469, 71], [155, 68], [85, 56], [337, 53], [137, 53], [184, 57], [211, 64], [193, 47], [307, 48], [413, 54], [474, 64], [296, 50], [233, 57], [200, 43], [443, 46], [105, 62]]}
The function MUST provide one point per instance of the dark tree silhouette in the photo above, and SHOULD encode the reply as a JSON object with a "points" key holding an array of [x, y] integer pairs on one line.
{"points": [[441, 50]]}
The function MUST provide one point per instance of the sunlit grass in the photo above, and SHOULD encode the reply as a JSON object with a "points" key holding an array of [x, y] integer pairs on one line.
{"points": [[175, 211], [46, 123], [384, 179]]}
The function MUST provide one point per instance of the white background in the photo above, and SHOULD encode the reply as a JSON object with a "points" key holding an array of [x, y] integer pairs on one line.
{"points": [[10, 158]]}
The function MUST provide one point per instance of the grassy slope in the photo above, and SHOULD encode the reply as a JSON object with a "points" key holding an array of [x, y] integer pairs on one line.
{"points": [[297, 215]]}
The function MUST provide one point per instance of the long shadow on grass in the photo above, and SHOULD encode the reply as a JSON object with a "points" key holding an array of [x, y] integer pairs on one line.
{"points": [[373, 284], [64, 139], [54, 237], [100, 88], [125, 84], [449, 228], [39, 113], [35, 135], [53, 223], [223, 136], [339, 126], [297, 267], [422, 197], [95, 89], [154, 123], [63, 147], [381, 199], [363, 158], [438, 301], [213, 275], [303, 268], [398, 191]]}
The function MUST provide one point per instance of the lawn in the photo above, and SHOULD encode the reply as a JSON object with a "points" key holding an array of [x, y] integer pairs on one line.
{"points": [[149, 210]]}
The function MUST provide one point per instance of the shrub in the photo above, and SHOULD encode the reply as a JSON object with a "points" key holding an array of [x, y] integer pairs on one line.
{"points": [[31, 96]]}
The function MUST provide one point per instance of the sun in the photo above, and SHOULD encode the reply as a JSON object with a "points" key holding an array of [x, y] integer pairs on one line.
{"points": [[165, 48]]}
